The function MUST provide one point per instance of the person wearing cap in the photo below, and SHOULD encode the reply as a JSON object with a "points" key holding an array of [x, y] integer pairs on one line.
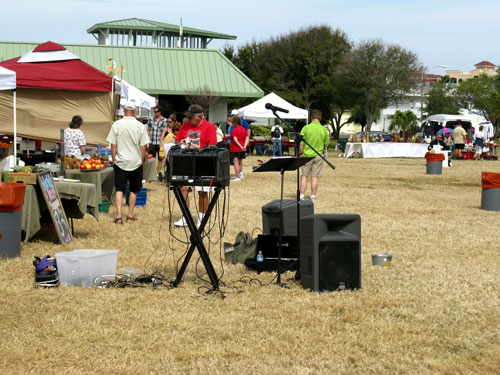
{"points": [[128, 139], [196, 133], [156, 127]]}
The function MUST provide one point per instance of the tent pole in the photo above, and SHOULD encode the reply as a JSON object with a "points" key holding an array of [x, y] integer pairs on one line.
{"points": [[15, 130]]}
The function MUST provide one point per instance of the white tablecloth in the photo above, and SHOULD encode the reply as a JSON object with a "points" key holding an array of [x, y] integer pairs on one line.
{"points": [[387, 149]]}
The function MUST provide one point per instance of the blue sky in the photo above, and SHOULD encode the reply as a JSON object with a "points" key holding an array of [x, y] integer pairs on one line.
{"points": [[457, 33]]}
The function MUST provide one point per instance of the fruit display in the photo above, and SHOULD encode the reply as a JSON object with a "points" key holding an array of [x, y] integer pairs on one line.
{"points": [[29, 169], [95, 162]]}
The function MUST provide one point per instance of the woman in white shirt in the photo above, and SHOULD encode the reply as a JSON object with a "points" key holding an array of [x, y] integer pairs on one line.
{"points": [[74, 140], [479, 143]]}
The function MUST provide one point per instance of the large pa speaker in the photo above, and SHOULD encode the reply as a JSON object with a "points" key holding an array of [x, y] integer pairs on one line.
{"points": [[330, 252], [271, 216]]}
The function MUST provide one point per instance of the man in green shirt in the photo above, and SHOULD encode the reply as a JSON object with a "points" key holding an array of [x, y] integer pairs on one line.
{"points": [[317, 136]]}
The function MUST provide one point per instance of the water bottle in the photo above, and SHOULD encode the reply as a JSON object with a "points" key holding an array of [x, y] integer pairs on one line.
{"points": [[260, 256]]}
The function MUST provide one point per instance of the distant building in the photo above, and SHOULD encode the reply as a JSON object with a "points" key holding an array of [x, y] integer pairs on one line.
{"points": [[138, 32], [483, 67]]}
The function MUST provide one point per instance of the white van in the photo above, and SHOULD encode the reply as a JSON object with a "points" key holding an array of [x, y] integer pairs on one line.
{"points": [[432, 124]]}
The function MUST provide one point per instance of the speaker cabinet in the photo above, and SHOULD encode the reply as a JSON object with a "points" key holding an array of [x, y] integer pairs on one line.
{"points": [[330, 252], [271, 216]]}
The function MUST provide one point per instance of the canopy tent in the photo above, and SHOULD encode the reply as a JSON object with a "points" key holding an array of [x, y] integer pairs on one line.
{"points": [[8, 82], [258, 108], [53, 85], [129, 92]]}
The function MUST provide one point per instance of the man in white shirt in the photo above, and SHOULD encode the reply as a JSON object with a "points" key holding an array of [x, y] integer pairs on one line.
{"points": [[276, 132], [128, 139]]}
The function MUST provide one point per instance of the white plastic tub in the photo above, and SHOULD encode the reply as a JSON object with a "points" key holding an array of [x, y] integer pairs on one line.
{"points": [[81, 267]]}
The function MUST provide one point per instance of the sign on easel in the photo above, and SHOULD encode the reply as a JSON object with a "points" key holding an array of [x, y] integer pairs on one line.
{"points": [[55, 207]]}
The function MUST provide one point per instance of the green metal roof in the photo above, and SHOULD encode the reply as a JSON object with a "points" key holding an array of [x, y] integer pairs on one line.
{"points": [[170, 71], [148, 25]]}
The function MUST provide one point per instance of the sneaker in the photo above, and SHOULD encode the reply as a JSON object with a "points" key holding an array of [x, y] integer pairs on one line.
{"points": [[313, 198], [241, 176], [181, 222], [301, 197], [160, 177], [46, 272], [236, 179]]}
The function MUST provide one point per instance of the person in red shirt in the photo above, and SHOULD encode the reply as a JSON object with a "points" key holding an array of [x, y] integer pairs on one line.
{"points": [[196, 133], [238, 147]]}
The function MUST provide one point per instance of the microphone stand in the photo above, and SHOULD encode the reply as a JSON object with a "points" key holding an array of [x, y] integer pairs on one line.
{"points": [[298, 139]]}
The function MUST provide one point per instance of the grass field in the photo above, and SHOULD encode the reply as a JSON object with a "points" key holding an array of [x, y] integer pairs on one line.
{"points": [[436, 310]]}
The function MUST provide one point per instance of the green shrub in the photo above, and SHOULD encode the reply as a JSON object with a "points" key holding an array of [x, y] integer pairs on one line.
{"points": [[262, 130]]}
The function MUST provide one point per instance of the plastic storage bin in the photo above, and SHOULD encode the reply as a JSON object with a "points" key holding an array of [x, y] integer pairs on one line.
{"points": [[141, 199], [81, 267], [11, 205]]}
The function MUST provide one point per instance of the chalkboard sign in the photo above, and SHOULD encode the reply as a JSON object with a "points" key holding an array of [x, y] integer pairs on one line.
{"points": [[55, 207]]}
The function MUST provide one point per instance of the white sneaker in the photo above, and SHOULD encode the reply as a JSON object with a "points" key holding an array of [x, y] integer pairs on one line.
{"points": [[236, 179], [181, 222], [301, 197], [241, 176], [313, 198]]}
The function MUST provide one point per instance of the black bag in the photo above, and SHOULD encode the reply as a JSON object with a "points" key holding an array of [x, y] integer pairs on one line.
{"points": [[276, 132]]}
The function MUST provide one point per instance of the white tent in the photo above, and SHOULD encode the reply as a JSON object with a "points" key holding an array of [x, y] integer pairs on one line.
{"points": [[258, 108], [129, 92], [8, 82]]}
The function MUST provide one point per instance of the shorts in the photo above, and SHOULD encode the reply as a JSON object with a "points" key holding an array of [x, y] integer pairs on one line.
{"points": [[154, 150], [313, 168], [459, 146], [239, 155], [134, 179]]}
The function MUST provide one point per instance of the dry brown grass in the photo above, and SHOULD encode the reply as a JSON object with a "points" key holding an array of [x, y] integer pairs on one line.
{"points": [[435, 311]]}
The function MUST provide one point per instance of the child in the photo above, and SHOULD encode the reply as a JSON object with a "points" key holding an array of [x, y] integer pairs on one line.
{"points": [[238, 146]]}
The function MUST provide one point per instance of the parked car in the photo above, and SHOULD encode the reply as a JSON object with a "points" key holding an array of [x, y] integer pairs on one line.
{"points": [[376, 134]]}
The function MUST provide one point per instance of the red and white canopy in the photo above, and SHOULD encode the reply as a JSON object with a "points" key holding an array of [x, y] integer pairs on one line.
{"points": [[7, 79], [51, 66]]}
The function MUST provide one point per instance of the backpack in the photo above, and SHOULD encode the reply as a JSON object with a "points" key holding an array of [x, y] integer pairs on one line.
{"points": [[243, 248], [276, 132]]}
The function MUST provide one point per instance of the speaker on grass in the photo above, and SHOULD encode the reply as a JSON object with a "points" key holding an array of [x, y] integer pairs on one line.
{"points": [[330, 252], [271, 216]]}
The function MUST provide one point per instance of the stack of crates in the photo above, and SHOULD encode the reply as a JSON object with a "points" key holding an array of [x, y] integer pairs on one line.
{"points": [[142, 196]]}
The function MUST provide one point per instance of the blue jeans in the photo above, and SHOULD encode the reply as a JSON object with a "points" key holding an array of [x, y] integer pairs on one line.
{"points": [[277, 144]]}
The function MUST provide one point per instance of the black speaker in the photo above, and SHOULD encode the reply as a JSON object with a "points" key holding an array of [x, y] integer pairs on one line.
{"points": [[271, 216], [330, 252]]}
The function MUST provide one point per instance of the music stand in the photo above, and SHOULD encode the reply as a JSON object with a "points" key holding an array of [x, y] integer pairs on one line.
{"points": [[281, 164]]}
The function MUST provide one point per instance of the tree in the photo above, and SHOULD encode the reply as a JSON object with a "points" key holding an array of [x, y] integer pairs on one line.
{"points": [[441, 99], [380, 74], [358, 116], [299, 66], [202, 96], [405, 121], [481, 94]]}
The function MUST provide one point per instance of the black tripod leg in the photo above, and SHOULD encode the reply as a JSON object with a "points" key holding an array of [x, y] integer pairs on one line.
{"points": [[196, 239]]}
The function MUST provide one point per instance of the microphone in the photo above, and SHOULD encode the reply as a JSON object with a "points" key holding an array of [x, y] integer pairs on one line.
{"points": [[276, 109]]}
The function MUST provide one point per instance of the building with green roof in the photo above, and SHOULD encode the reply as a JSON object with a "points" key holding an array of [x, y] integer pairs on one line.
{"points": [[146, 33], [170, 74]]}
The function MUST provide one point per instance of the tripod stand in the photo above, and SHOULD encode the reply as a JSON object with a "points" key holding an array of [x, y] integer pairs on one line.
{"points": [[196, 239]]}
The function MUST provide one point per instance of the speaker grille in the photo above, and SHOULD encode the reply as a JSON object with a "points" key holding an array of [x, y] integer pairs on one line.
{"points": [[338, 265]]}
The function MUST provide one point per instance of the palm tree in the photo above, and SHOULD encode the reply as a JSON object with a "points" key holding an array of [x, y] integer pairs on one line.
{"points": [[405, 121]]}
